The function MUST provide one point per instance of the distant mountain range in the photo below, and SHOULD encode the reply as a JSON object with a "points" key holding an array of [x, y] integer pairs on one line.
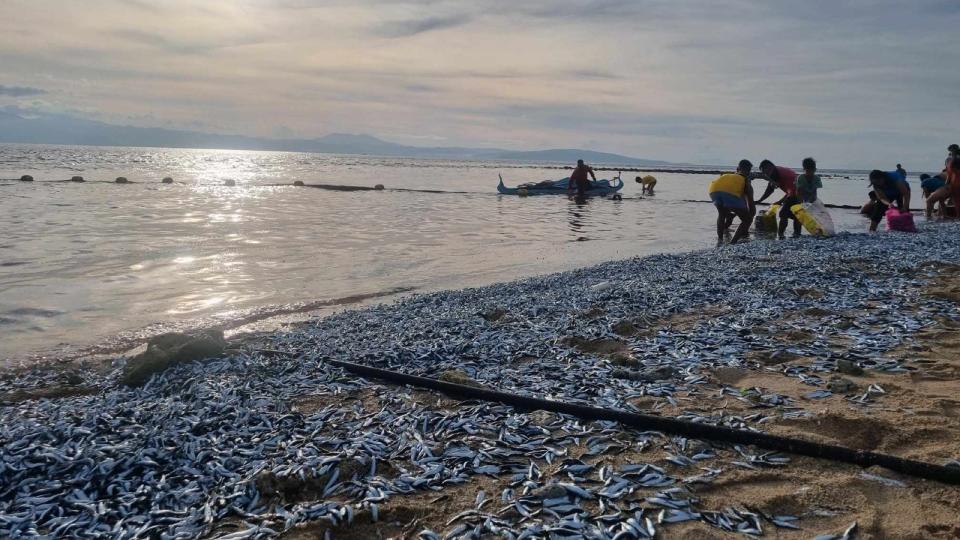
{"points": [[34, 128]]}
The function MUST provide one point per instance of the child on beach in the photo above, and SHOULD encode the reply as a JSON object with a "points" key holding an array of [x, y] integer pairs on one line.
{"points": [[809, 182], [732, 195], [889, 187], [785, 179]]}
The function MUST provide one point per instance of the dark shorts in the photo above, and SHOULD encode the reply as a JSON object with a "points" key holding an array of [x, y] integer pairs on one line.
{"points": [[785, 212], [722, 199], [880, 209]]}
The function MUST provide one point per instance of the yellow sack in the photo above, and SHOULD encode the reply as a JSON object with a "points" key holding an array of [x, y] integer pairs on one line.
{"points": [[814, 217]]}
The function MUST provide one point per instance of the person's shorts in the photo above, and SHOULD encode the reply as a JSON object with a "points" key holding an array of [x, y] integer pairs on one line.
{"points": [[786, 205], [722, 199]]}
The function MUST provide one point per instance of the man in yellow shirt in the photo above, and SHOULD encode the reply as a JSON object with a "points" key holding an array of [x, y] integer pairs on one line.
{"points": [[732, 195], [648, 182]]}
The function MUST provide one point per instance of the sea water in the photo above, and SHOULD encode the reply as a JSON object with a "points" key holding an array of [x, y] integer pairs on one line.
{"points": [[95, 263]]}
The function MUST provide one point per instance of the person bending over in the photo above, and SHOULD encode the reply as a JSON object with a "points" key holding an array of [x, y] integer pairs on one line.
{"points": [[935, 190], [732, 195], [785, 179], [890, 188], [578, 179], [647, 183]]}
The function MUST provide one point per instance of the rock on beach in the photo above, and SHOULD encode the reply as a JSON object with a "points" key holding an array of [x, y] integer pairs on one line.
{"points": [[168, 350]]}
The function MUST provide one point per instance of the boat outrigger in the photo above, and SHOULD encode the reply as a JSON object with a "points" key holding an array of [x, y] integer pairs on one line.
{"points": [[598, 188]]}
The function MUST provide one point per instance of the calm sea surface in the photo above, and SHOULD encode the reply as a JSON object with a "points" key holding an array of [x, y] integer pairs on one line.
{"points": [[94, 263]]}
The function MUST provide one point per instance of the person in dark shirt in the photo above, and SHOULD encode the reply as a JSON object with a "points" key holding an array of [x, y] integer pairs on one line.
{"points": [[890, 188], [579, 181]]}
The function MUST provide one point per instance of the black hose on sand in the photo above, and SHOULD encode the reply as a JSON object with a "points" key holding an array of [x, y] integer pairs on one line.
{"points": [[939, 473]]}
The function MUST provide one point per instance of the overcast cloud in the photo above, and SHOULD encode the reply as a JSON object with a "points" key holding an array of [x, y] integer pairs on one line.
{"points": [[855, 83]]}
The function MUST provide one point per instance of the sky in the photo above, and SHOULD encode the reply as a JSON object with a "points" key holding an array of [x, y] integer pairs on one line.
{"points": [[861, 84]]}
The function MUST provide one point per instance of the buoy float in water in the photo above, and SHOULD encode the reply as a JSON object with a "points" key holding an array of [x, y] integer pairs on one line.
{"points": [[298, 183], [77, 179], [26, 178], [122, 180], [378, 187], [230, 183], [167, 180]]}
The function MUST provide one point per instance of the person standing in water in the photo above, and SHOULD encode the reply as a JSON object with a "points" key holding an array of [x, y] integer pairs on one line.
{"points": [[578, 179], [785, 179], [809, 182], [890, 187], [732, 195], [901, 171]]}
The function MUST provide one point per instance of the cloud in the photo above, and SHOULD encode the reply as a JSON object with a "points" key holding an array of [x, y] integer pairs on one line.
{"points": [[412, 27], [20, 91], [849, 82]]}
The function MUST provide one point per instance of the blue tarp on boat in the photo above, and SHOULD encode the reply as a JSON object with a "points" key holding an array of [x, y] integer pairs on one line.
{"points": [[559, 187]]}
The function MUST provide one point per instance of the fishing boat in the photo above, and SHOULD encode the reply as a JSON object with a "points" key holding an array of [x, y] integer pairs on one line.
{"points": [[598, 188]]}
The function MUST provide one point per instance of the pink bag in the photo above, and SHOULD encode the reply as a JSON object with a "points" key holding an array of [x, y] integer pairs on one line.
{"points": [[900, 221]]}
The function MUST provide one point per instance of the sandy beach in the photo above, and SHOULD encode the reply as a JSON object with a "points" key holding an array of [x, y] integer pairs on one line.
{"points": [[849, 341]]}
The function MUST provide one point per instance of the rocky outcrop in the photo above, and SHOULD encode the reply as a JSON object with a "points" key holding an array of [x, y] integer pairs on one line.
{"points": [[168, 350]]}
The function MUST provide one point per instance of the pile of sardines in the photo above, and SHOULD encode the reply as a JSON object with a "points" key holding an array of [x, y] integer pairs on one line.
{"points": [[226, 448]]}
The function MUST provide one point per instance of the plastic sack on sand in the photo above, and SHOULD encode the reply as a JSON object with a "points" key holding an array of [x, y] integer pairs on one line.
{"points": [[815, 218], [898, 220]]}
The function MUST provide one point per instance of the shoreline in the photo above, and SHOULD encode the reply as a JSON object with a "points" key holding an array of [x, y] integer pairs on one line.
{"points": [[235, 324], [741, 336]]}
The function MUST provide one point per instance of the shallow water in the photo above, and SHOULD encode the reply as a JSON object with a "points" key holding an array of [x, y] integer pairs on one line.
{"points": [[80, 263]]}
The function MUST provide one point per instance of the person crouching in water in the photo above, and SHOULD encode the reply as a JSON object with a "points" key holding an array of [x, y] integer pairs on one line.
{"points": [[889, 187], [578, 180], [732, 195], [785, 179]]}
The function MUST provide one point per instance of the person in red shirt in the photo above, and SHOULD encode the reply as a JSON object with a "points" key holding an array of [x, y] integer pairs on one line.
{"points": [[578, 179], [785, 179], [953, 183]]}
